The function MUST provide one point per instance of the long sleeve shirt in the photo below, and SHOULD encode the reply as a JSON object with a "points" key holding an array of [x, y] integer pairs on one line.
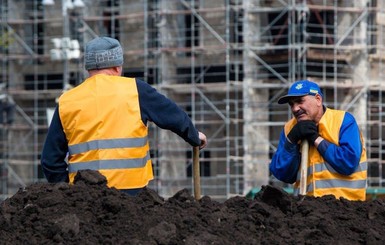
{"points": [[154, 107]]}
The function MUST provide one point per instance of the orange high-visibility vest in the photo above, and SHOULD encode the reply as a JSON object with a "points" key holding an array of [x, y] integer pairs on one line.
{"points": [[102, 123]]}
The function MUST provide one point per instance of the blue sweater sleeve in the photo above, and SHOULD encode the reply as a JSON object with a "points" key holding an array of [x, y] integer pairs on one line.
{"points": [[286, 160], [54, 152], [157, 108], [345, 157]]}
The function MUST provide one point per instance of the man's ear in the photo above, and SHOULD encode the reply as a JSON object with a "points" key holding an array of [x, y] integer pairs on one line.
{"points": [[118, 70], [319, 99]]}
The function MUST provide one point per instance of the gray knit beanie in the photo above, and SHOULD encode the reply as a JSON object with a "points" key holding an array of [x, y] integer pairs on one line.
{"points": [[103, 52]]}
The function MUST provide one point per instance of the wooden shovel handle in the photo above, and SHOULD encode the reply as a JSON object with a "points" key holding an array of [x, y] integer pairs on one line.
{"points": [[303, 168], [196, 173]]}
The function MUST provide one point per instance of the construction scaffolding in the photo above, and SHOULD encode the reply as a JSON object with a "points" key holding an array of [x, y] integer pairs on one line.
{"points": [[224, 62]]}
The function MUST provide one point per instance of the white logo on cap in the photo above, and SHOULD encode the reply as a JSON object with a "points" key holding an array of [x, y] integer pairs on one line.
{"points": [[299, 86]]}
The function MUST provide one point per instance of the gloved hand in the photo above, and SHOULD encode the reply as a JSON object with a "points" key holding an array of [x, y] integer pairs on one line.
{"points": [[303, 130], [313, 135]]}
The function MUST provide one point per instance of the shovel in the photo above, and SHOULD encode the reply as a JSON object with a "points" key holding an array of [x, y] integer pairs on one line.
{"points": [[196, 173], [303, 168]]}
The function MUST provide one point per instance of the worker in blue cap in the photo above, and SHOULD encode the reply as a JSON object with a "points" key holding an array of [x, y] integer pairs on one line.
{"points": [[337, 163]]}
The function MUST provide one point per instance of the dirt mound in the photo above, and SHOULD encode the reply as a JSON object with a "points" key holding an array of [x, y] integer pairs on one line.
{"points": [[89, 212]]}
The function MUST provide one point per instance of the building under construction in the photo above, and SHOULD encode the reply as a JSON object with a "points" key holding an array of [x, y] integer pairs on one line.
{"points": [[224, 62]]}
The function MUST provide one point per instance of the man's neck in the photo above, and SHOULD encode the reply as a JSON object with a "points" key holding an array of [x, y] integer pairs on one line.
{"points": [[111, 71]]}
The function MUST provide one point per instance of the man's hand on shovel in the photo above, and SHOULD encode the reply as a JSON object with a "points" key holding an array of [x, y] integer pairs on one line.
{"points": [[203, 139]]}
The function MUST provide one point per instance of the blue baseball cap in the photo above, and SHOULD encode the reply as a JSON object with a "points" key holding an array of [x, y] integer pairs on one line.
{"points": [[301, 88]]}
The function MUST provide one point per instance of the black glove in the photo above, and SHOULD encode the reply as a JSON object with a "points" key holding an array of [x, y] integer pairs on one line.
{"points": [[313, 135], [303, 130]]}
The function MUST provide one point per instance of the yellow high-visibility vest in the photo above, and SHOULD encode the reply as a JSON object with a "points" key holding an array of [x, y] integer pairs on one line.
{"points": [[102, 123], [322, 179]]}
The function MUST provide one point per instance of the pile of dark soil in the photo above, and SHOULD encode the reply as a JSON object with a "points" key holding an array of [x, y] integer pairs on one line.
{"points": [[89, 212]]}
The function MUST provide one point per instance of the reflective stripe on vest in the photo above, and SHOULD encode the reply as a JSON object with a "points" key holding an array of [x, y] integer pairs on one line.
{"points": [[106, 144], [109, 164], [337, 183], [327, 167], [334, 183]]}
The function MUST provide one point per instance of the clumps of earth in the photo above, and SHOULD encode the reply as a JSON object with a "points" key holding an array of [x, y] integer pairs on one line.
{"points": [[88, 212]]}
